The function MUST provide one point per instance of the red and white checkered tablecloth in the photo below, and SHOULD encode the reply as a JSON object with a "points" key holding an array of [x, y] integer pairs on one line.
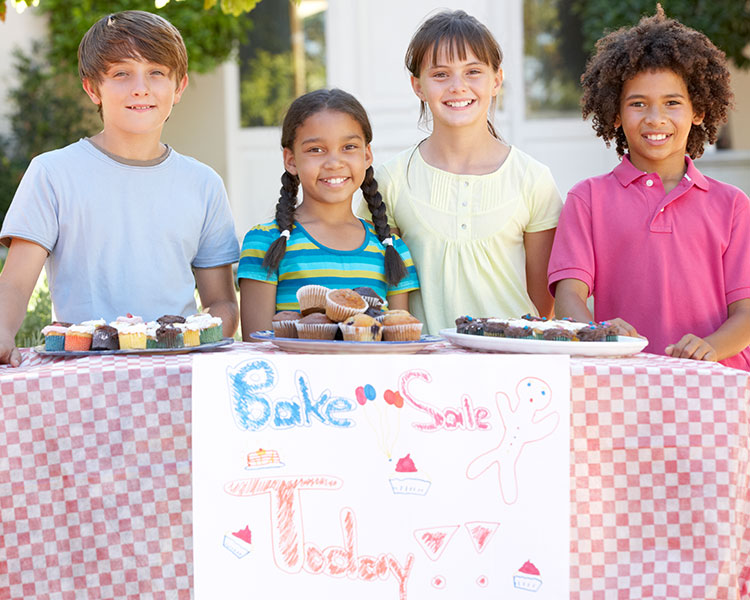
{"points": [[95, 488]]}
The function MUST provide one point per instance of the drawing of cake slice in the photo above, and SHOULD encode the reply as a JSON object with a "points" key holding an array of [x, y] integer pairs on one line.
{"points": [[408, 480], [527, 578], [239, 542], [263, 459]]}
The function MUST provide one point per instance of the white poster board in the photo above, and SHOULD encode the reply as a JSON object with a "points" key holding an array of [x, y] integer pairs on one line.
{"points": [[381, 477]]}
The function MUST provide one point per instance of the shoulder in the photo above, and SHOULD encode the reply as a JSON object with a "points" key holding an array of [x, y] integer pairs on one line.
{"points": [[193, 168], [395, 167], [62, 157], [263, 231]]}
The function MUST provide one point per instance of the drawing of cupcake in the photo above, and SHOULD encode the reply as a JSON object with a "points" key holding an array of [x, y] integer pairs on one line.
{"points": [[408, 479], [239, 542], [527, 578]]}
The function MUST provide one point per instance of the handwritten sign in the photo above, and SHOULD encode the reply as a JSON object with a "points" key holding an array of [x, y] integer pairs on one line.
{"points": [[381, 477]]}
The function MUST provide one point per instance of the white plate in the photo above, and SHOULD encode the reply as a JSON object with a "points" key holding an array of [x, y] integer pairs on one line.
{"points": [[343, 347], [70, 353], [622, 347]]}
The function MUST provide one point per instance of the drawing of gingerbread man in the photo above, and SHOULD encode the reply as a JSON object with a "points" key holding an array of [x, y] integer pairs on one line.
{"points": [[524, 423]]}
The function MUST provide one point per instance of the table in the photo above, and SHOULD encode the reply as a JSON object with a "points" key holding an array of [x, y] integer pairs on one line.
{"points": [[95, 485]]}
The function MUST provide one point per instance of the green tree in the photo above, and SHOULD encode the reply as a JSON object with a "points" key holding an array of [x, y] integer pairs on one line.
{"points": [[725, 22]]}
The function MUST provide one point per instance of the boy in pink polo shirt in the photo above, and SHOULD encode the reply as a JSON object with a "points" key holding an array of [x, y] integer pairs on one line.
{"points": [[662, 248]]}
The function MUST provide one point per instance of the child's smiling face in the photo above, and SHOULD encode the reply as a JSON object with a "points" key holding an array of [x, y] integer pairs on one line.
{"points": [[656, 115], [330, 157], [458, 91]]}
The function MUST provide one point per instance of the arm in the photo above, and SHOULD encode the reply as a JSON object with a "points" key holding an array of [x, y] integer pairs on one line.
{"points": [[17, 280], [570, 301], [538, 246], [216, 291], [729, 339], [258, 306], [399, 301]]}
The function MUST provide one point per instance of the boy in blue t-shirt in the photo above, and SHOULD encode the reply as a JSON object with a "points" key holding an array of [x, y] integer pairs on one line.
{"points": [[123, 222]]}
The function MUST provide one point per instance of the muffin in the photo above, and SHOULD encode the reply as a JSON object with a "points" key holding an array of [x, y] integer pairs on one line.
{"points": [[78, 338], [401, 326], [284, 324], [371, 296], [54, 336], [316, 326], [361, 328], [341, 304], [312, 299], [105, 337]]}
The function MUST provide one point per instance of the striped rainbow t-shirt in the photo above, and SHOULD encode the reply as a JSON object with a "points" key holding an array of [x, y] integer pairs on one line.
{"points": [[307, 261]]}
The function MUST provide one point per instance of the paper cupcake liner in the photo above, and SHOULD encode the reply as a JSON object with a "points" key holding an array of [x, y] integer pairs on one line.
{"points": [[312, 298], [75, 342], [132, 341], [191, 337], [338, 313], [54, 343], [284, 329], [317, 331], [211, 334], [361, 334], [402, 333]]}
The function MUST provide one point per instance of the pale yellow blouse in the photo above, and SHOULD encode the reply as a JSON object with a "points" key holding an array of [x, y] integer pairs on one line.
{"points": [[465, 233]]}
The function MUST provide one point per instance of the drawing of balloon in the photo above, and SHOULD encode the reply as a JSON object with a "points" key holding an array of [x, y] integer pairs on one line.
{"points": [[383, 415]]}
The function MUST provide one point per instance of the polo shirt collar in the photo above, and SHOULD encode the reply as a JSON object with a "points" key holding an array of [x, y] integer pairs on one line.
{"points": [[626, 173]]}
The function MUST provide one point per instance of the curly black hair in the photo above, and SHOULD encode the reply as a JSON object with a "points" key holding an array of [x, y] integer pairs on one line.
{"points": [[657, 43]]}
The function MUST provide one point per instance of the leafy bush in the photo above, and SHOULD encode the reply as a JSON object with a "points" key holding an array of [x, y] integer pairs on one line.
{"points": [[38, 315]]}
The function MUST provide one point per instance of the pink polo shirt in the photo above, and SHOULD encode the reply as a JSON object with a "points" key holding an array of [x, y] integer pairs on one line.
{"points": [[669, 265]]}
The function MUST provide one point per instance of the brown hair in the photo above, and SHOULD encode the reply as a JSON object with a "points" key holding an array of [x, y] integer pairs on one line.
{"points": [[657, 43], [454, 31], [134, 34], [301, 109]]}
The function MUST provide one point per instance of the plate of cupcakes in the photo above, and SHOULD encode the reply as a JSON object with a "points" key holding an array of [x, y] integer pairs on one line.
{"points": [[535, 335], [132, 335], [345, 321]]}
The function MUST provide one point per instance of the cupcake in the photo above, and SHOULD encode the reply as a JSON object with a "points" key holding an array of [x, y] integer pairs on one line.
{"points": [[401, 326], [54, 336], [132, 337], [371, 296], [408, 480], [527, 577], [316, 326], [361, 328], [128, 319], [191, 333], [284, 324], [312, 298], [169, 336], [78, 338], [341, 304], [210, 329], [170, 319], [151, 328], [105, 337]]}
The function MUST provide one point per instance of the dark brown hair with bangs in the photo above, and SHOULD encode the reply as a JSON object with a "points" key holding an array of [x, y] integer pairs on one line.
{"points": [[657, 43], [133, 34], [452, 31]]}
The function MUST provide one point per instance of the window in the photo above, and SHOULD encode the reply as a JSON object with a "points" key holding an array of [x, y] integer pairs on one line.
{"points": [[554, 58], [284, 58]]}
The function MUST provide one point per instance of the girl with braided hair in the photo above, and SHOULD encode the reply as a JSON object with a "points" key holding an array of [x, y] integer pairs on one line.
{"points": [[477, 214], [325, 140]]}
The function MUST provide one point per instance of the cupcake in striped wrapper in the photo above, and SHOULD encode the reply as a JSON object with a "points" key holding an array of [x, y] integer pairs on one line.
{"points": [[54, 336]]}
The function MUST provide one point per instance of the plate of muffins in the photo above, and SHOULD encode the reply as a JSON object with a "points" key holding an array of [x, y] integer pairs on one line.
{"points": [[132, 335], [345, 321]]}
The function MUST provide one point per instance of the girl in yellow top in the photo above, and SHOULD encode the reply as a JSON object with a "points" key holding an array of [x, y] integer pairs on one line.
{"points": [[478, 215]]}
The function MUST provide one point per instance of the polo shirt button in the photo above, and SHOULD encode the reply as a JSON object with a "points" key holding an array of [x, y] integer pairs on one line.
{"points": [[649, 182], [463, 225]]}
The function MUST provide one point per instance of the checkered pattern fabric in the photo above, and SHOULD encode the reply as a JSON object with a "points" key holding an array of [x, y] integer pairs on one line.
{"points": [[95, 491]]}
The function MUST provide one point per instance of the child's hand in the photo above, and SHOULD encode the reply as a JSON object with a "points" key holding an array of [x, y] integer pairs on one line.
{"points": [[9, 354], [623, 327], [692, 346]]}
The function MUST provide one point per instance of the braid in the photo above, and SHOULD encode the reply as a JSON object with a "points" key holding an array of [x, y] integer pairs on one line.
{"points": [[395, 269], [285, 208]]}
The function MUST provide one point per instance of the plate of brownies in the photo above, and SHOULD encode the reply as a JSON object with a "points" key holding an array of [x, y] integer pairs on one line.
{"points": [[533, 335]]}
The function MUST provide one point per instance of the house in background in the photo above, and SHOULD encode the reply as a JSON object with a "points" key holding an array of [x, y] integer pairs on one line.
{"points": [[226, 122]]}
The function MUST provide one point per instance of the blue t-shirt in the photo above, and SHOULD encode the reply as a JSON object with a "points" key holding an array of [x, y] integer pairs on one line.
{"points": [[307, 261]]}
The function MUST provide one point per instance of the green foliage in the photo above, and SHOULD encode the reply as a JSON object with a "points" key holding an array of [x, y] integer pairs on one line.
{"points": [[210, 35], [267, 90], [48, 110], [233, 7], [725, 22], [38, 315]]}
